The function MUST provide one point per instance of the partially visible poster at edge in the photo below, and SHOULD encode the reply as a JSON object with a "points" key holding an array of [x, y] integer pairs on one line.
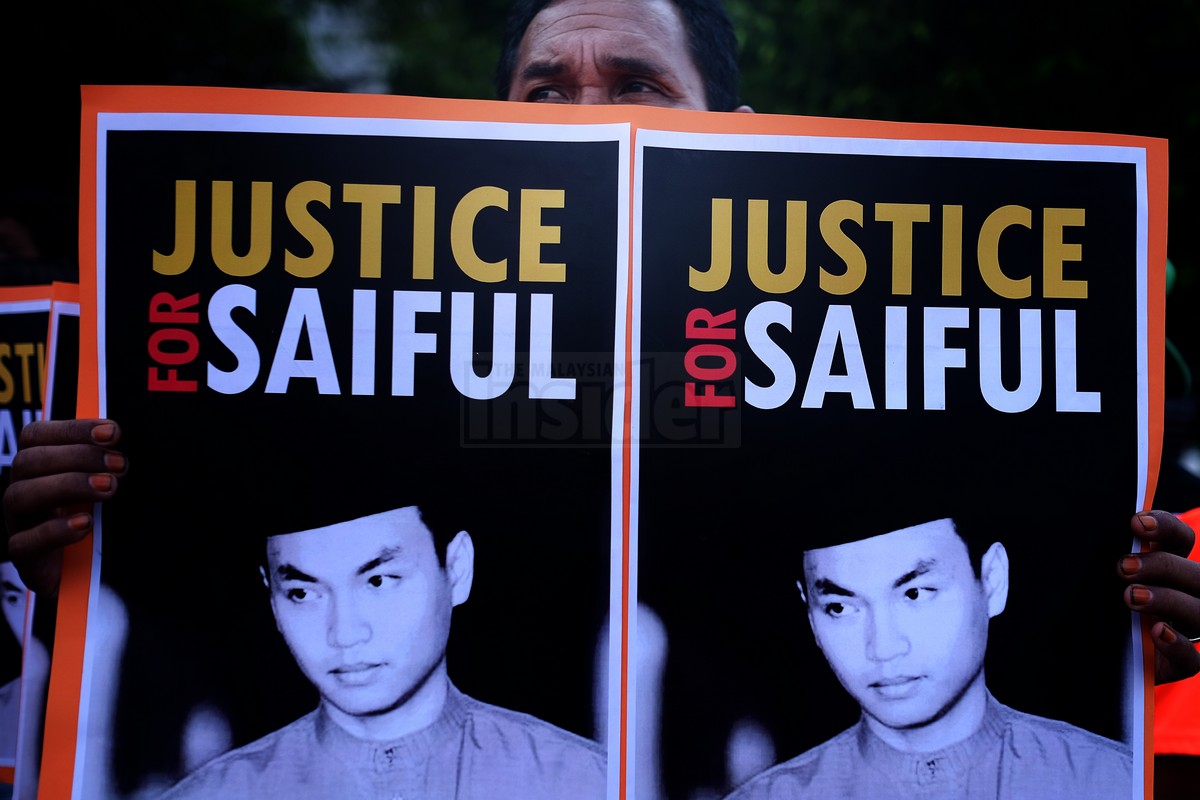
{"points": [[58, 402], [24, 315]]}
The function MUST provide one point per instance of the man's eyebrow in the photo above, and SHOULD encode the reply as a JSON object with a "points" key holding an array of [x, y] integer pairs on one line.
{"points": [[542, 69], [826, 586], [385, 555], [923, 566], [288, 572], [9, 586], [640, 66]]}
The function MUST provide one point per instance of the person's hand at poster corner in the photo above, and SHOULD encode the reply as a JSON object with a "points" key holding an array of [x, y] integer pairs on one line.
{"points": [[1163, 584], [61, 468]]}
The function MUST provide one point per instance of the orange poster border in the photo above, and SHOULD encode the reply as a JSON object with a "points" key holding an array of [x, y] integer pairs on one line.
{"points": [[27, 293]]}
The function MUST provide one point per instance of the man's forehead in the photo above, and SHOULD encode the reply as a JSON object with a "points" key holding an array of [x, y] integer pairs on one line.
{"points": [[647, 12], [573, 22], [400, 527], [898, 548]]}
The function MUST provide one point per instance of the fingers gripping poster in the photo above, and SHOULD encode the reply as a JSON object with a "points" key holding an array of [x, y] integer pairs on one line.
{"points": [[487, 450]]}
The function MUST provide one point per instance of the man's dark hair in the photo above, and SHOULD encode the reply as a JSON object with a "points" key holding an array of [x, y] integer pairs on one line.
{"points": [[10, 650], [443, 523], [977, 533], [712, 46], [438, 517]]}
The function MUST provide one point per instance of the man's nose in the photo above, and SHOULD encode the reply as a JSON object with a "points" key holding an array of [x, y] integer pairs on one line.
{"points": [[346, 625], [886, 637]]}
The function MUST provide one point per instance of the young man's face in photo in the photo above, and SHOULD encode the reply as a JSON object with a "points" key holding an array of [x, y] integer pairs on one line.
{"points": [[602, 52], [13, 598], [902, 620], [364, 607]]}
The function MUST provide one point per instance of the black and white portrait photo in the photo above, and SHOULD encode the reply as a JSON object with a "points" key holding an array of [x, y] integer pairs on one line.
{"points": [[902, 619]]}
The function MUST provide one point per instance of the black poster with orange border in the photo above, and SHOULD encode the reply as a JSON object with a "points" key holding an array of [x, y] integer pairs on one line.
{"points": [[863, 354], [648, 357], [35, 344], [24, 321]]}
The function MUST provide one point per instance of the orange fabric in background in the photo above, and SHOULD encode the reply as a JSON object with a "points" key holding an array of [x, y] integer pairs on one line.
{"points": [[1177, 705]]}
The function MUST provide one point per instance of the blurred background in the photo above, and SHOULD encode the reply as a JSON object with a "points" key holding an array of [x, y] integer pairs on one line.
{"points": [[1103, 65]]}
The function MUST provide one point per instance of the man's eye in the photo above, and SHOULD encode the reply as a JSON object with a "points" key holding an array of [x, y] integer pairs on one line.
{"points": [[546, 94], [920, 593], [835, 609], [379, 581], [299, 594], [640, 87]]}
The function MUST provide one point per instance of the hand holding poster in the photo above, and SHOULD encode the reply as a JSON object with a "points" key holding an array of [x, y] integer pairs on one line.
{"points": [[602, 360]]}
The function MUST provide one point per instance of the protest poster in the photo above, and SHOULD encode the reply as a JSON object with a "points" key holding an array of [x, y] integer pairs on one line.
{"points": [[307, 307], [24, 314], [498, 412], [876, 331], [28, 315], [58, 402]]}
